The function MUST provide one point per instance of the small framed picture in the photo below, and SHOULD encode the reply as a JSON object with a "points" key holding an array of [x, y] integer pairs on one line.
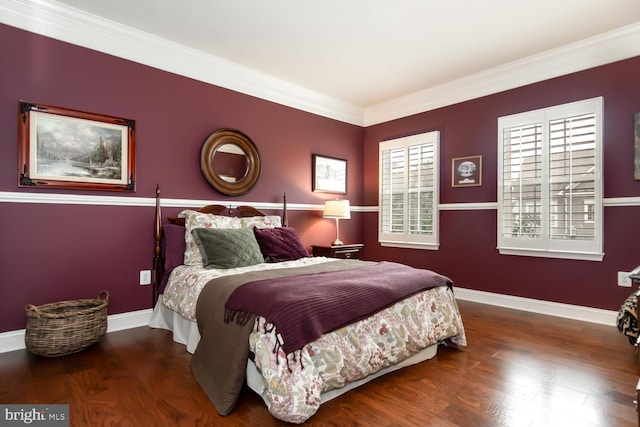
{"points": [[63, 148], [329, 175], [466, 171]]}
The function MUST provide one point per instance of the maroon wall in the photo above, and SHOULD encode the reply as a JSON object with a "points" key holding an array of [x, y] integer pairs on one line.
{"points": [[468, 239], [51, 252]]}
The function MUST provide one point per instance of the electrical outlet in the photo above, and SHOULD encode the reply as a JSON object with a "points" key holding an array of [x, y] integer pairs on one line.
{"points": [[145, 277], [623, 279]]}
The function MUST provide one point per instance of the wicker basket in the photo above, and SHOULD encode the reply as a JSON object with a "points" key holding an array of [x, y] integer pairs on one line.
{"points": [[66, 327]]}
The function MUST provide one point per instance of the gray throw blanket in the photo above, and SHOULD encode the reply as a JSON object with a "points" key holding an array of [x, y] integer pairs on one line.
{"points": [[220, 360]]}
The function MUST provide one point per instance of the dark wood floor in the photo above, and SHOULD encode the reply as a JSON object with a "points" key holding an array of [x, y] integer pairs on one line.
{"points": [[520, 369]]}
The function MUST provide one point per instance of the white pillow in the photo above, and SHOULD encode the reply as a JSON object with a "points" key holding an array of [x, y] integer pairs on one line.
{"points": [[192, 220], [267, 221]]}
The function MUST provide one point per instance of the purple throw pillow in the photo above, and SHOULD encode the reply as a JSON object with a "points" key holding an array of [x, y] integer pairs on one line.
{"points": [[280, 244]]}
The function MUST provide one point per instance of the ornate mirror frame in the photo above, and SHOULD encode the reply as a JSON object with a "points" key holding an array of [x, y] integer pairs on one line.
{"points": [[222, 183]]}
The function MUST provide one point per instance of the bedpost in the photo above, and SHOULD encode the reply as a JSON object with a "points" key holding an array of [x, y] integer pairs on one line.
{"points": [[157, 259], [285, 217]]}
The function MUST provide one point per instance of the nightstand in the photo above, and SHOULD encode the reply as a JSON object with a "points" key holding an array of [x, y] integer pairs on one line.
{"points": [[338, 251]]}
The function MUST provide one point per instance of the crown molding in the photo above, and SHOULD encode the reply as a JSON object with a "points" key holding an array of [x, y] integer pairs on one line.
{"points": [[61, 22], [603, 49], [67, 24]]}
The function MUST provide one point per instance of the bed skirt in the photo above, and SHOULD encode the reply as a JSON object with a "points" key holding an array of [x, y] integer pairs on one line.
{"points": [[185, 331]]}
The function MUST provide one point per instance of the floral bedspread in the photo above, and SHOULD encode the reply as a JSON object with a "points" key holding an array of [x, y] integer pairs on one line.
{"points": [[293, 387]]}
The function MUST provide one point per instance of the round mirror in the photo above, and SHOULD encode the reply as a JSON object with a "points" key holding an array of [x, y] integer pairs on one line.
{"points": [[230, 162]]}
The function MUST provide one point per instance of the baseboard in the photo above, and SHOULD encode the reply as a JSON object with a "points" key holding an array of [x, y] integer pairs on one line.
{"points": [[575, 312], [14, 340], [133, 319]]}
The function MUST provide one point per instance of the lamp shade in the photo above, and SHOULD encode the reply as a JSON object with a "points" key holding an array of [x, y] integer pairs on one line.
{"points": [[337, 209]]}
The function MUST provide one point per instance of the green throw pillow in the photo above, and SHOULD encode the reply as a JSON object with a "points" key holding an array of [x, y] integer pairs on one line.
{"points": [[227, 248]]}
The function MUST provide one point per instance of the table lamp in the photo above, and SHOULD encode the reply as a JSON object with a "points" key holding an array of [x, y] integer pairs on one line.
{"points": [[338, 209]]}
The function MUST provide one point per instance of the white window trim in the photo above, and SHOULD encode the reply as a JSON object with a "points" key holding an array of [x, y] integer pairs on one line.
{"points": [[405, 240], [578, 250]]}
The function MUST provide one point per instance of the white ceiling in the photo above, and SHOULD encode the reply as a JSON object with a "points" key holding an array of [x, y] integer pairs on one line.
{"points": [[362, 54]]}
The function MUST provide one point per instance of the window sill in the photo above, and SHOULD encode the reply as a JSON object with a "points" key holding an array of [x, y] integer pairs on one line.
{"points": [[411, 245], [583, 256]]}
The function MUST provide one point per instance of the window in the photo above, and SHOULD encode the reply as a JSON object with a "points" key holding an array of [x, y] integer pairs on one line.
{"points": [[408, 198], [550, 183]]}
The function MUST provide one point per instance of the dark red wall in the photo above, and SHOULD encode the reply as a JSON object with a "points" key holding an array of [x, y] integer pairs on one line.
{"points": [[468, 239], [51, 252]]}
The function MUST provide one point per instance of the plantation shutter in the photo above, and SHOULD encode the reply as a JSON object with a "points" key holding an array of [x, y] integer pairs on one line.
{"points": [[393, 190], [420, 203], [522, 178], [409, 190], [572, 177], [549, 182]]}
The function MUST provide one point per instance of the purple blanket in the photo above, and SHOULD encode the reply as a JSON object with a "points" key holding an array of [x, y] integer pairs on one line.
{"points": [[302, 308]]}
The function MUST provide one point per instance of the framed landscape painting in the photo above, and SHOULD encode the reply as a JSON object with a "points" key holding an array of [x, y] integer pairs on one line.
{"points": [[63, 148]]}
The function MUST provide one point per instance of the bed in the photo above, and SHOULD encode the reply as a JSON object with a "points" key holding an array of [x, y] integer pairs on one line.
{"points": [[238, 288]]}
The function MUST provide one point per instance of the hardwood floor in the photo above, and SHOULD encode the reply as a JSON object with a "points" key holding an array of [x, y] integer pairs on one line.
{"points": [[520, 369]]}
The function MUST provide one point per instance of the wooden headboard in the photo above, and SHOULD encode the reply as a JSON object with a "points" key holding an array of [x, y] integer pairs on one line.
{"points": [[158, 256]]}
